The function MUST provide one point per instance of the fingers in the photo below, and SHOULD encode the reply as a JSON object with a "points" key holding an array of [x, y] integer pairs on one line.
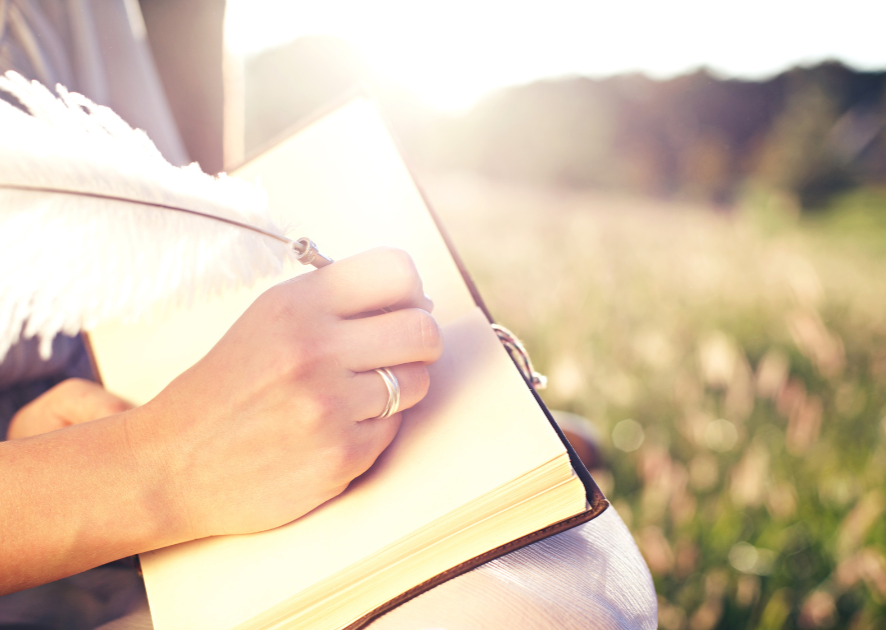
{"points": [[80, 401], [379, 278], [404, 336], [71, 402], [374, 434], [372, 394], [367, 434]]}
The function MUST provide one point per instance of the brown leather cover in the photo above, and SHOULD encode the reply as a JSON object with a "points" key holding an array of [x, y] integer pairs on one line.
{"points": [[595, 509]]}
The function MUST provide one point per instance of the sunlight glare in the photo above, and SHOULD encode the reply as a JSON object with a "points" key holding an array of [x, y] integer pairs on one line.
{"points": [[450, 54]]}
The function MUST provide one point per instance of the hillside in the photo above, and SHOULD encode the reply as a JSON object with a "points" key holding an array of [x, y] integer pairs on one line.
{"points": [[811, 132]]}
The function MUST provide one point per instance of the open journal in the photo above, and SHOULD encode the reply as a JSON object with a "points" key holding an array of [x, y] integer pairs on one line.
{"points": [[476, 470]]}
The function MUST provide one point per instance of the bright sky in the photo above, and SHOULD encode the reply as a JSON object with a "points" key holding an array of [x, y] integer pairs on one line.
{"points": [[451, 53]]}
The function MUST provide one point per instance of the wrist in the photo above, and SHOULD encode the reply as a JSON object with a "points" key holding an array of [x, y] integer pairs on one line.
{"points": [[151, 455], [82, 496]]}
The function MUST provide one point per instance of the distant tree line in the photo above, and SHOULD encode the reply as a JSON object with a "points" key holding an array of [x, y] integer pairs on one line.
{"points": [[810, 132]]}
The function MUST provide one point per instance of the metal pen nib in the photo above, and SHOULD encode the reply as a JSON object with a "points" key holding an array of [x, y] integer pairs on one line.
{"points": [[307, 253]]}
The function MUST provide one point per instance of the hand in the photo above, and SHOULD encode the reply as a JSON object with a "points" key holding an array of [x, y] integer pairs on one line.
{"points": [[70, 402], [280, 415]]}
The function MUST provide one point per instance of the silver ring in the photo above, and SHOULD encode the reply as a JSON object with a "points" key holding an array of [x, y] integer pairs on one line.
{"points": [[393, 385]]}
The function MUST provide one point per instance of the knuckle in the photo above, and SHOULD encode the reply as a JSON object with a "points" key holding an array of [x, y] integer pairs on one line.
{"points": [[429, 336], [333, 492], [306, 355], [284, 302], [292, 362], [321, 410], [302, 356], [421, 381], [294, 345], [345, 460], [396, 257], [400, 266]]}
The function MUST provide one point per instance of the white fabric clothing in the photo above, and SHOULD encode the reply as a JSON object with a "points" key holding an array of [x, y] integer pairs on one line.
{"points": [[98, 48], [591, 577]]}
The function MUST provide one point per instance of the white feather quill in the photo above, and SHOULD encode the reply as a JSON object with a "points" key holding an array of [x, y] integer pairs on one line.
{"points": [[87, 230]]}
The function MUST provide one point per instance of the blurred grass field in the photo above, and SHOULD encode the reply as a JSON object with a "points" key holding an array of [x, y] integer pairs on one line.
{"points": [[734, 365]]}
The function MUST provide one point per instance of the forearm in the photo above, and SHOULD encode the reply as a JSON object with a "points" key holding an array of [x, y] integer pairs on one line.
{"points": [[279, 417], [77, 498]]}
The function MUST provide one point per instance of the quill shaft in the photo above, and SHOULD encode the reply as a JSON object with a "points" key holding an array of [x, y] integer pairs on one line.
{"points": [[305, 249], [59, 191]]}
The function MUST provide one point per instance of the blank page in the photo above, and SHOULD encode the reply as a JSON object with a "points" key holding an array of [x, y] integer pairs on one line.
{"points": [[478, 428], [341, 182]]}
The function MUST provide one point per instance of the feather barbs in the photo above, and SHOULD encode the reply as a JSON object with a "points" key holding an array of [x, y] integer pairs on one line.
{"points": [[87, 230]]}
